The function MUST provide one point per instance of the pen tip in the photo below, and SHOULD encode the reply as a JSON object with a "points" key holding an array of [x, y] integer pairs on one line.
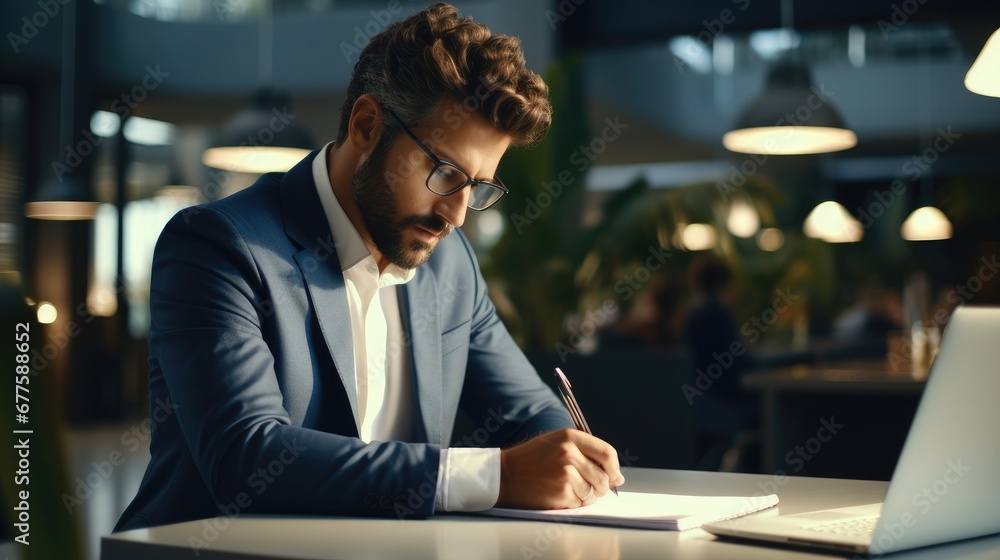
{"points": [[562, 375]]}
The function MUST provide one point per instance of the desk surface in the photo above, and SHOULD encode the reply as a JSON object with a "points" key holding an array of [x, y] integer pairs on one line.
{"points": [[469, 537], [869, 376]]}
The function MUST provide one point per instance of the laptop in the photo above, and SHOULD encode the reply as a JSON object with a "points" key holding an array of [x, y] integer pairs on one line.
{"points": [[946, 486]]}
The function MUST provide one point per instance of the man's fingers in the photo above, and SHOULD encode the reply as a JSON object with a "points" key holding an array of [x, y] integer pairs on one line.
{"points": [[593, 474], [600, 452], [577, 490]]}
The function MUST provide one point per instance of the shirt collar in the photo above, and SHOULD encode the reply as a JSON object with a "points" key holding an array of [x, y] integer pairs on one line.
{"points": [[351, 249]]}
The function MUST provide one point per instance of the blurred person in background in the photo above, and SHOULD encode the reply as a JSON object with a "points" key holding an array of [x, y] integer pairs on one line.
{"points": [[724, 416]]}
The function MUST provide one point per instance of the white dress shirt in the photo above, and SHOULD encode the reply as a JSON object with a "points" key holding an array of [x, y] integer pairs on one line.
{"points": [[468, 478]]}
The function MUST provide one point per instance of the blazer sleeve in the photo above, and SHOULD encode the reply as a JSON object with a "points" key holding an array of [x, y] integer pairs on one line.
{"points": [[500, 381], [219, 371]]}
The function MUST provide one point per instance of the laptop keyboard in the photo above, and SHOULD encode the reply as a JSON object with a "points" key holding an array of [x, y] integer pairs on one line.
{"points": [[860, 527]]}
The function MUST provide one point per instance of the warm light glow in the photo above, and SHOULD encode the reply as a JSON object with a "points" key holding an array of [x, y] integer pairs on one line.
{"points": [[47, 313], [770, 239], [984, 75], [926, 224], [742, 220], [832, 223], [253, 159], [698, 237], [678, 236], [184, 195], [61, 210], [789, 140], [102, 302]]}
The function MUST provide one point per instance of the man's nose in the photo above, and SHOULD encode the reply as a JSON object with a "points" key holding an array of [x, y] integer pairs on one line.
{"points": [[452, 208]]}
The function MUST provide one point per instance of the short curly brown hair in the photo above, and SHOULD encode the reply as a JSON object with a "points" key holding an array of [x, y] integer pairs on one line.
{"points": [[436, 55]]}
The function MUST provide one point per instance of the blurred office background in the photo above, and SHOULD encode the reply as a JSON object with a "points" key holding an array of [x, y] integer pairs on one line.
{"points": [[718, 306]]}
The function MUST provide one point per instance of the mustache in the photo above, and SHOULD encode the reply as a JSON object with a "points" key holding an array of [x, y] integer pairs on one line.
{"points": [[435, 224]]}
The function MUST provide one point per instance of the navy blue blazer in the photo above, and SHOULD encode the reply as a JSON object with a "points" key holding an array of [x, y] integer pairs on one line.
{"points": [[253, 401]]}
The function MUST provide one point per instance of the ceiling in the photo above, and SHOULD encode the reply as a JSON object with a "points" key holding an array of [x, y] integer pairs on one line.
{"points": [[913, 52]]}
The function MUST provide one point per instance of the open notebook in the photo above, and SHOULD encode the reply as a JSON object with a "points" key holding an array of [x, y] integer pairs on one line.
{"points": [[649, 511]]}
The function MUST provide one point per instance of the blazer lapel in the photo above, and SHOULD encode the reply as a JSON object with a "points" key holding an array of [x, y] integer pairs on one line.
{"points": [[306, 224], [420, 298]]}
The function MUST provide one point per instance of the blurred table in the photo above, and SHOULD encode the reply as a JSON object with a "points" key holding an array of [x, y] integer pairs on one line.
{"points": [[876, 400]]}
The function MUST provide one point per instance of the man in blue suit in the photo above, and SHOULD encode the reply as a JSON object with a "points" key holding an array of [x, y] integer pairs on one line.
{"points": [[314, 335]]}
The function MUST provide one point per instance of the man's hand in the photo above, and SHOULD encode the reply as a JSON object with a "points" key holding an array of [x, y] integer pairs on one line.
{"points": [[562, 469]]}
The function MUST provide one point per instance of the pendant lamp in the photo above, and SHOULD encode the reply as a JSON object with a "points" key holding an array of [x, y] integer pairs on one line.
{"points": [[264, 136], [66, 197], [261, 138], [926, 223], [832, 223], [984, 75], [791, 117]]}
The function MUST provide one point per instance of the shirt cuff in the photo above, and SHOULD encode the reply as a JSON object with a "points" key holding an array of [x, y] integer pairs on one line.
{"points": [[468, 479]]}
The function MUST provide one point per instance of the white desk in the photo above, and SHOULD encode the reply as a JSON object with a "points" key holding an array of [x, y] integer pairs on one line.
{"points": [[469, 537]]}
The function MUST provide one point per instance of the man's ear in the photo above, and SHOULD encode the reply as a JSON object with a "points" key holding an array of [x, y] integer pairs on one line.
{"points": [[365, 124]]}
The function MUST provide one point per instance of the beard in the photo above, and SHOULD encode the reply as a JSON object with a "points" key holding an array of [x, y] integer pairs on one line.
{"points": [[379, 208]]}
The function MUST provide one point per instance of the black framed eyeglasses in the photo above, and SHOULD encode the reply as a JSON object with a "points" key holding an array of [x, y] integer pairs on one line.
{"points": [[447, 178]]}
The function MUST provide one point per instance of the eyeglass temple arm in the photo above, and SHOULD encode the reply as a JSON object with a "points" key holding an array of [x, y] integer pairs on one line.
{"points": [[413, 137]]}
